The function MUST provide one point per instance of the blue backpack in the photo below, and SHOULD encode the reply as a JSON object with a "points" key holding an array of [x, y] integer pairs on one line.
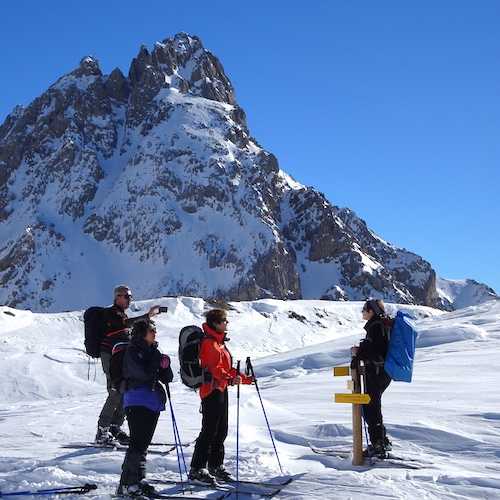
{"points": [[401, 350]]}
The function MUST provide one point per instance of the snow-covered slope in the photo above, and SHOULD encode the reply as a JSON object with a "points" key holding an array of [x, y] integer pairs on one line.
{"points": [[447, 418]]}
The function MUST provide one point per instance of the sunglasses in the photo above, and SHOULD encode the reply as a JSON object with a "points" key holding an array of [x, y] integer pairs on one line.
{"points": [[127, 296], [152, 330], [225, 320], [365, 310]]}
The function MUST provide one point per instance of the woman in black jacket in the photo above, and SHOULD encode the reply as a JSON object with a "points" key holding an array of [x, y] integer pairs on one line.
{"points": [[144, 367], [373, 351]]}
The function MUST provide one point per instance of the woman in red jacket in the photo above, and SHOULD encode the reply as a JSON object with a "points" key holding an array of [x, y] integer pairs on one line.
{"points": [[209, 449]]}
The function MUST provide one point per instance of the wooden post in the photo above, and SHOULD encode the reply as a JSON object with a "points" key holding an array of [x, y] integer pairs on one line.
{"points": [[357, 426], [356, 398]]}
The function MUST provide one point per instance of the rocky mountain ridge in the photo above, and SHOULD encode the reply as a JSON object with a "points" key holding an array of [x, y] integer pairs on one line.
{"points": [[153, 179]]}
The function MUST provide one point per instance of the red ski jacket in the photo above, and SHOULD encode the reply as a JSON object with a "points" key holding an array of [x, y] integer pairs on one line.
{"points": [[215, 356]]}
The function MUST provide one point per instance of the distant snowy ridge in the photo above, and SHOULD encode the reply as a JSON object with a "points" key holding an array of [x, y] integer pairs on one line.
{"points": [[262, 328], [153, 179], [456, 294]]}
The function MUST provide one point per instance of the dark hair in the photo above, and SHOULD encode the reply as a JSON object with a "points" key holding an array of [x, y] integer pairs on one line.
{"points": [[377, 306], [215, 316], [140, 328]]}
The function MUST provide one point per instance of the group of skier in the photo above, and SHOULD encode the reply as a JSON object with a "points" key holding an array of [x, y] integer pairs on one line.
{"points": [[143, 398], [144, 366]]}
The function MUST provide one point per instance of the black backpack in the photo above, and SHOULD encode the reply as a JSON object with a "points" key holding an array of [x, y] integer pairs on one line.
{"points": [[192, 374], [119, 383], [95, 328]]}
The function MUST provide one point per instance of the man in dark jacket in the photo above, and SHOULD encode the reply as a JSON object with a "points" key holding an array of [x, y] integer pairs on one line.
{"points": [[118, 326]]}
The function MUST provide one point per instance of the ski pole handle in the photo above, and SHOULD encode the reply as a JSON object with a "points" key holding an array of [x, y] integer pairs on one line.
{"points": [[249, 371], [248, 367]]}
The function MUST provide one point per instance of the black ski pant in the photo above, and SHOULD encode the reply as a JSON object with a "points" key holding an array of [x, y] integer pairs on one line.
{"points": [[209, 449], [142, 424], [376, 382], [112, 412]]}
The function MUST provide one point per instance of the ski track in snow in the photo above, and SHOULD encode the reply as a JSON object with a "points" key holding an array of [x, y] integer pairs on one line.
{"points": [[447, 419]]}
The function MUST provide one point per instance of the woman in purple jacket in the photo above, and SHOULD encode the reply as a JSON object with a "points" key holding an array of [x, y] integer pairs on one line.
{"points": [[144, 367]]}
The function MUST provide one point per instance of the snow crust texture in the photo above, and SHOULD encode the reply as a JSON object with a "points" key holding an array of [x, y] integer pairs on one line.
{"points": [[445, 423]]}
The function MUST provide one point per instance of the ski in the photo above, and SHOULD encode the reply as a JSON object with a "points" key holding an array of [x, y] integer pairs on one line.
{"points": [[329, 451], [94, 445], [184, 445], [263, 483], [229, 488], [391, 460], [266, 484], [54, 491], [263, 494], [117, 447], [168, 496], [391, 456]]}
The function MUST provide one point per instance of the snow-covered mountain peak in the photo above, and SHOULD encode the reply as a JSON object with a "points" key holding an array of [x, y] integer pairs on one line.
{"points": [[154, 180], [182, 63]]}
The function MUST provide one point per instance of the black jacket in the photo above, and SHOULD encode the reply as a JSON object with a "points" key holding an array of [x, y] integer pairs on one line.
{"points": [[141, 365], [374, 346], [118, 326]]}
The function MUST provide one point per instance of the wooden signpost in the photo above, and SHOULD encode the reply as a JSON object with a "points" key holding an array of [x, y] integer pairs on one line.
{"points": [[356, 398]]}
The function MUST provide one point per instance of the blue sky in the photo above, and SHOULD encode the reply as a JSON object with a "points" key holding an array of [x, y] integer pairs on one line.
{"points": [[390, 107]]}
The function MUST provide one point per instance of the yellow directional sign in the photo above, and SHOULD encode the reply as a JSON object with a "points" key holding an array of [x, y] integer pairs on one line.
{"points": [[359, 399], [340, 371]]}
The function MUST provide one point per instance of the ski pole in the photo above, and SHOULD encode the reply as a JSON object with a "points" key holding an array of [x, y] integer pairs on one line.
{"points": [[249, 370], [54, 491], [366, 436], [177, 441], [237, 429]]}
